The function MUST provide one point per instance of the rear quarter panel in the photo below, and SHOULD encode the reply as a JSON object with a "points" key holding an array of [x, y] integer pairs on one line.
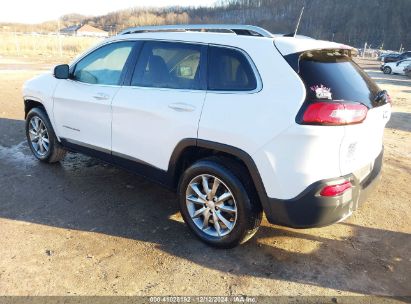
{"points": [[362, 143]]}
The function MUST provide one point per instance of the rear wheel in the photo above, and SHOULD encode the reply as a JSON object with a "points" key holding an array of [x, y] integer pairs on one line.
{"points": [[41, 137], [216, 206], [387, 70]]}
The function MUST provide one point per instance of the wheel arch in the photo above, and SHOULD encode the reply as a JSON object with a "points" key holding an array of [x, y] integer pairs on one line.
{"points": [[387, 68], [191, 150], [30, 103]]}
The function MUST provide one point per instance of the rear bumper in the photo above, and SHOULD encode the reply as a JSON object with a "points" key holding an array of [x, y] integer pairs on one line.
{"points": [[309, 209]]}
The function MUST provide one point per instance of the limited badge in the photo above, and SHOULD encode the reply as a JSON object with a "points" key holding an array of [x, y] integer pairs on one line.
{"points": [[322, 92]]}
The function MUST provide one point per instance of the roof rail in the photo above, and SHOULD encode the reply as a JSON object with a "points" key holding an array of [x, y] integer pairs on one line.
{"points": [[248, 30]]}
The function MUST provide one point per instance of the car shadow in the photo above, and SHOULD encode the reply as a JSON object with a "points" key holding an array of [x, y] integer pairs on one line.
{"points": [[85, 194]]}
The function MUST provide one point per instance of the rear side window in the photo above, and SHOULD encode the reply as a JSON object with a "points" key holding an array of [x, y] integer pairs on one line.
{"points": [[332, 75], [229, 70], [169, 65], [404, 63]]}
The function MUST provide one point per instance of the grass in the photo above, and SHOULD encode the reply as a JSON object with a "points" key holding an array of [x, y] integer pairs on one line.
{"points": [[44, 45]]}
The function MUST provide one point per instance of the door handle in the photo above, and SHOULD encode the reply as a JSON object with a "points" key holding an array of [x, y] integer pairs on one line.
{"points": [[182, 107], [101, 96]]}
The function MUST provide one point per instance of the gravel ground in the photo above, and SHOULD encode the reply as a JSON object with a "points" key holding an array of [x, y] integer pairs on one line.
{"points": [[86, 228]]}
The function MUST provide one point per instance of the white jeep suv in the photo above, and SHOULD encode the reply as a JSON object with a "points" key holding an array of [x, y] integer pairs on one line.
{"points": [[237, 120]]}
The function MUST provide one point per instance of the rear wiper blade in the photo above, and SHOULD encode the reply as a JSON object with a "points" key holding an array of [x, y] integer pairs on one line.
{"points": [[381, 97]]}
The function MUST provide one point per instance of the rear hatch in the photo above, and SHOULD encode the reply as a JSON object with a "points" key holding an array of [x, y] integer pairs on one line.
{"points": [[341, 94]]}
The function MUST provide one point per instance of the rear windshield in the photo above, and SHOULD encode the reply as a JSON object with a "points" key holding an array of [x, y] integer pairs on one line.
{"points": [[332, 75]]}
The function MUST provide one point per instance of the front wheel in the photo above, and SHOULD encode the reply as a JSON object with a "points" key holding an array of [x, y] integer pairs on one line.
{"points": [[387, 70], [41, 137], [216, 206]]}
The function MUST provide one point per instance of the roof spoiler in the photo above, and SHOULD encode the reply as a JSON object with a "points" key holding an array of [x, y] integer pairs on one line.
{"points": [[294, 59]]}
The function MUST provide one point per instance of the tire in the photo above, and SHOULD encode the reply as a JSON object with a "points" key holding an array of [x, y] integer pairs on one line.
{"points": [[387, 70], [38, 132], [239, 226]]}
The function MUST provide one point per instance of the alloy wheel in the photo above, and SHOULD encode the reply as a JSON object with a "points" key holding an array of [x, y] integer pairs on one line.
{"points": [[39, 137], [211, 205]]}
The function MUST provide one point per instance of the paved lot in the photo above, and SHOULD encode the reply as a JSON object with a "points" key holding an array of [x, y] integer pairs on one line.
{"points": [[86, 228]]}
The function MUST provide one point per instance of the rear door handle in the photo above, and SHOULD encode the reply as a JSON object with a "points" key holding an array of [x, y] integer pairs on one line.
{"points": [[101, 96], [182, 107]]}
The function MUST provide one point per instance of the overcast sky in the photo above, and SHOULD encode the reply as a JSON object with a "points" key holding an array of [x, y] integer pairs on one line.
{"points": [[35, 11]]}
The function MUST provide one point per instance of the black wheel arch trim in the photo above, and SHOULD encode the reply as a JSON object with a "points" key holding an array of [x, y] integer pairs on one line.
{"points": [[220, 147], [31, 102]]}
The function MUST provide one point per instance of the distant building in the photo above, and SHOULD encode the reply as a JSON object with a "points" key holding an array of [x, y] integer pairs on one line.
{"points": [[83, 30]]}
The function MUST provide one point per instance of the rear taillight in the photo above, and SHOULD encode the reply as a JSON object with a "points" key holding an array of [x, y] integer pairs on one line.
{"points": [[335, 190], [334, 113]]}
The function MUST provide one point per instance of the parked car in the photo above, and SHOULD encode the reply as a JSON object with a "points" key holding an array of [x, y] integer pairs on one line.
{"points": [[382, 56], [407, 71], [397, 57], [396, 67], [234, 119]]}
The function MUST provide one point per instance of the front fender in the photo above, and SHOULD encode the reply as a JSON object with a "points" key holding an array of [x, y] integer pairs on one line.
{"points": [[41, 89]]}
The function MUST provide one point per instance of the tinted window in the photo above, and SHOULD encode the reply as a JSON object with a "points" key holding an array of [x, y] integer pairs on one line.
{"points": [[229, 70], [332, 75], [168, 65], [406, 62], [104, 65]]}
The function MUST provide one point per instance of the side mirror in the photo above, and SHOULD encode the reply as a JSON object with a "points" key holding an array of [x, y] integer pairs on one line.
{"points": [[62, 71]]}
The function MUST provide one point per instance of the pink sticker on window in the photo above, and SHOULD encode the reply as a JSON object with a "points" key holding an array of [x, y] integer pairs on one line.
{"points": [[322, 92]]}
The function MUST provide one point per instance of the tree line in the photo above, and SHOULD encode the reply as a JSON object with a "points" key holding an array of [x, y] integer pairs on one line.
{"points": [[380, 23]]}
